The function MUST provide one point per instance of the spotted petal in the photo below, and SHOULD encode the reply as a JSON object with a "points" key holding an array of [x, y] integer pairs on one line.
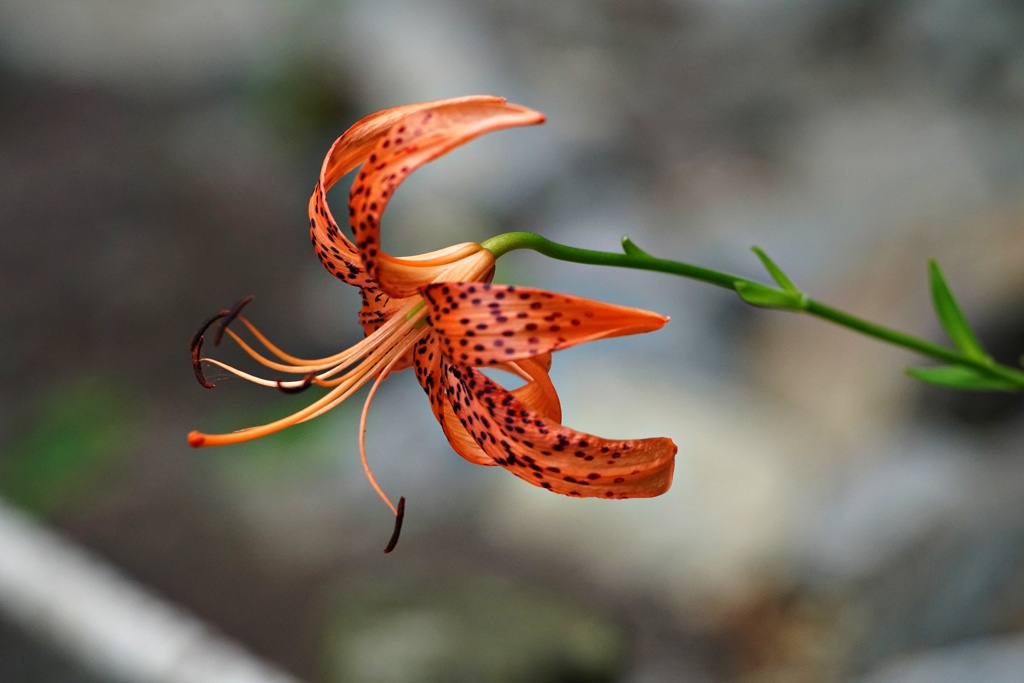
{"points": [[538, 393], [350, 150], [414, 139], [547, 454], [355, 144], [483, 324]]}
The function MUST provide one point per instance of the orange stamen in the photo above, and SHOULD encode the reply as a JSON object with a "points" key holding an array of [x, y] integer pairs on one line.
{"points": [[362, 436], [387, 347]]}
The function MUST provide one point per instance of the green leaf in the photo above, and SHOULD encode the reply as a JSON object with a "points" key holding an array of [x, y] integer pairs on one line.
{"points": [[630, 249], [962, 377], [781, 278], [950, 316], [764, 296]]}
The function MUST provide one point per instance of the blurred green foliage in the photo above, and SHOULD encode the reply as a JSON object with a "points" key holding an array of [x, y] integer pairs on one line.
{"points": [[394, 628], [79, 432]]}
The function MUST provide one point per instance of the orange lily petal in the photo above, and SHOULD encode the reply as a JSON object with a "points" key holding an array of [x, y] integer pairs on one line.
{"points": [[547, 454], [355, 144], [377, 308], [404, 276], [350, 150], [484, 324], [333, 249], [413, 140], [538, 393], [427, 362]]}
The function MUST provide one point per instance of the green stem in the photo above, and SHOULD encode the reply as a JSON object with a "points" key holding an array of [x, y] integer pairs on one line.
{"points": [[922, 346], [636, 259], [509, 241]]}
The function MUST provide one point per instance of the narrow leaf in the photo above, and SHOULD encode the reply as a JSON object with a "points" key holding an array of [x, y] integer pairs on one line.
{"points": [[781, 278], [961, 377], [630, 249], [769, 297], [950, 316]]}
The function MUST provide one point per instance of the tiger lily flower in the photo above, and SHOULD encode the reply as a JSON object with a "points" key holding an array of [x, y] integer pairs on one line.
{"points": [[439, 313]]}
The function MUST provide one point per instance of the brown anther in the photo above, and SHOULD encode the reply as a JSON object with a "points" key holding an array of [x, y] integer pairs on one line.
{"points": [[399, 516], [307, 382], [196, 346], [197, 363], [228, 317]]}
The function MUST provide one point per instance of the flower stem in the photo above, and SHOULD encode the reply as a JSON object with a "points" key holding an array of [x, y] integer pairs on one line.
{"points": [[785, 297], [509, 241]]}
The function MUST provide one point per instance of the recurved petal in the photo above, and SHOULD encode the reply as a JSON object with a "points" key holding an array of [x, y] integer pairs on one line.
{"points": [[350, 150], [537, 393], [427, 362], [548, 454], [461, 441], [413, 139], [484, 324], [334, 250], [356, 143]]}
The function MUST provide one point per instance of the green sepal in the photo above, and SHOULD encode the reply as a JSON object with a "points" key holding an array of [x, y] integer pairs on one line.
{"points": [[764, 296], [630, 249], [781, 278], [962, 377], [951, 317]]}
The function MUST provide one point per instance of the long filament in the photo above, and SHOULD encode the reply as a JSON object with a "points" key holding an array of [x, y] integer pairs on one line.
{"points": [[356, 350], [362, 433], [400, 337]]}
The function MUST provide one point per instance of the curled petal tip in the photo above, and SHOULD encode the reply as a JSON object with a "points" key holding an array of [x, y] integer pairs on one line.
{"points": [[196, 439], [536, 116], [528, 116]]}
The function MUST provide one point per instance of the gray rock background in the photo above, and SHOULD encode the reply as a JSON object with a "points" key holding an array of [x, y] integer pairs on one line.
{"points": [[830, 520]]}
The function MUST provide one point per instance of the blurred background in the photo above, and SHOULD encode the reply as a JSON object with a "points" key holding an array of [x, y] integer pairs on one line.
{"points": [[831, 520]]}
